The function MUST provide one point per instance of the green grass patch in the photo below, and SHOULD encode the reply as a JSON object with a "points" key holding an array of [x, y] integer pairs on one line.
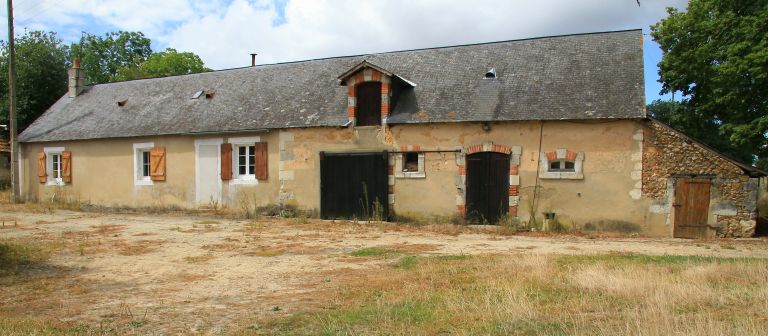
{"points": [[372, 252], [407, 262]]}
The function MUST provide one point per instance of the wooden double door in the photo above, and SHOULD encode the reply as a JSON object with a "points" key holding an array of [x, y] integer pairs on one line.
{"points": [[487, 187], [692, 207]]}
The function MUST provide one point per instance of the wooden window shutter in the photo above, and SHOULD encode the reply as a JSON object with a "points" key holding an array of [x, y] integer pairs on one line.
{"points": [[261, 161], [226, 161], [157, 163], [66, 167], [42, 167]]}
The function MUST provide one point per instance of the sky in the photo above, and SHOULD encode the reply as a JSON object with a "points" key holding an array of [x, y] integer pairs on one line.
{"points": [[224, 32]]}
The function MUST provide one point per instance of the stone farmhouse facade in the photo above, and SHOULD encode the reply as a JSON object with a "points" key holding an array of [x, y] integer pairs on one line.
{"points": [[485, 132]]}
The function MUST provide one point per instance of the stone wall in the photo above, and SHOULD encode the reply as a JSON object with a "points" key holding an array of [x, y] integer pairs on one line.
{"points": [[668, 154]]}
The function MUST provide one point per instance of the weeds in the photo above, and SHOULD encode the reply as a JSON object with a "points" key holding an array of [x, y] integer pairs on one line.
{"points": [[17, 255]]}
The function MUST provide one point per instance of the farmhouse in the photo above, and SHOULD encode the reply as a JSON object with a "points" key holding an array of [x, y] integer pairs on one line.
{"points": [[503, 130]]}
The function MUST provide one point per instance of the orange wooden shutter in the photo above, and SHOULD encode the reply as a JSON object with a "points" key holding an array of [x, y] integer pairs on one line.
{"points": [[66, 167], [226, 161], [261, 161], [41, 167], [157, 164]]}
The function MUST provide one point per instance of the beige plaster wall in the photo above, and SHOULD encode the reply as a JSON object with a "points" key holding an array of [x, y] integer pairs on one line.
{"points": [[103, 174], [608, 193]]}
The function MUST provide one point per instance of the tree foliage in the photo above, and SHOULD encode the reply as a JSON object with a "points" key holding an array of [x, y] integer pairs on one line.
{"points": [[41, 73], [103, 57], [165, 63], [716, 55]]}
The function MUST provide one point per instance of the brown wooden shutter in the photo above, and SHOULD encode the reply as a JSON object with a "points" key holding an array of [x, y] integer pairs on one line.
{"points": [[41, 167], [157, 164], [226, 161], [261, 161], [66, 167]]}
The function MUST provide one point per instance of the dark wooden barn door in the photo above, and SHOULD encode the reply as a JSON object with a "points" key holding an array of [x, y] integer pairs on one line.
{"points": [[368, 104], [487, 186], [691, 207], [354, 185]]}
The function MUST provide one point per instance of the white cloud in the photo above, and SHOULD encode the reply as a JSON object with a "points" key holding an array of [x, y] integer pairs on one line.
{"points": [[224, 32], [331, 28]]}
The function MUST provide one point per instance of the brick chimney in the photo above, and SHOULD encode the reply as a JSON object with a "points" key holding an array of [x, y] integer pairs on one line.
{"points": [[76, 79]]}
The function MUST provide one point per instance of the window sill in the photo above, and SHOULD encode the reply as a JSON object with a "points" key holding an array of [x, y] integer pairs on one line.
{"points": [[245, 181], [562, 176], [55, 183], [143, 182], [411, 175]]}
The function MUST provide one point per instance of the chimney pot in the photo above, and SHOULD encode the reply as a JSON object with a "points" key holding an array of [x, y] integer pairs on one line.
{"points": [[76, 79], [253, 59]]}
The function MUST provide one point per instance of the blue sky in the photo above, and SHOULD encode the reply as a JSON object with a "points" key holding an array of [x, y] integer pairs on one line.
{"points": [[225, 32]]}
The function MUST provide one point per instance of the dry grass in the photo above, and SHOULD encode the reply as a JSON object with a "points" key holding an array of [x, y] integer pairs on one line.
{"points": [[138, 247], [540, 295]]}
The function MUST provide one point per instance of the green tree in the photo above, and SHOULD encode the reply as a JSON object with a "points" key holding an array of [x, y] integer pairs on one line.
{"points": [[103, 57], [165, 63], [41, 73], [716, 55]]}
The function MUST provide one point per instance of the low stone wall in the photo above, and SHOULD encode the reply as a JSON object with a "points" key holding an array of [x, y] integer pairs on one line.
{"points": [[668, 154]]}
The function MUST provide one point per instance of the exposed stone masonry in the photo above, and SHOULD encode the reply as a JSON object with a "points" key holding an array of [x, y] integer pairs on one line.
{"points": [[668, 153]]}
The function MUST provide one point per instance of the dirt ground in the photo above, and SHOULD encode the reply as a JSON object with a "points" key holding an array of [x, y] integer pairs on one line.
{"points": [[181, 274]]}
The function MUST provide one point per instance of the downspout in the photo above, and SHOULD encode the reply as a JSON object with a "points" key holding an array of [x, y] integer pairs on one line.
{"points": [[534, 202]]}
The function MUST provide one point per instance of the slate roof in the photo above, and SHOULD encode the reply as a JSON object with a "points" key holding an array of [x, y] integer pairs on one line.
{"points": [[584, 76]]}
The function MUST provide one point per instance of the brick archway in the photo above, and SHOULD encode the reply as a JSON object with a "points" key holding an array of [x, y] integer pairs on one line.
{"points": [[514, 153], [368, 75]]}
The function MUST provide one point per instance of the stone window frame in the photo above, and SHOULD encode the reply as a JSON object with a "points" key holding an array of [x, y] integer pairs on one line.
{"points": [[236, 144], [400, 159], [138, 150], [557, 155], [49, 154]]}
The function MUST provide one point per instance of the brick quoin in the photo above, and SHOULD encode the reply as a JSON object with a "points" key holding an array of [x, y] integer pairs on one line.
{"points": [[513, 210], [351, 111], [551, 155], [462, 170], [514, 169], [462, 209], [390, 170], [570, 155], [391, 189], [416, 148], [384, 110], [513, 190], [376, 77]]}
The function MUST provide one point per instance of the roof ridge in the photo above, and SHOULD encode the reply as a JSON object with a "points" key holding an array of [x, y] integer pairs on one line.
{"points": [[383, 53]]}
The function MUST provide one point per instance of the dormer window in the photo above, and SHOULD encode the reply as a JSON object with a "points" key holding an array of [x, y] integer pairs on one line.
{"points": [[371, 92], [368, 104]]}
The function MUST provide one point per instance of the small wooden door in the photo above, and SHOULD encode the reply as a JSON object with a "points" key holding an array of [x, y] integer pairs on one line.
{"points": [[691, 207], [487, 186]]}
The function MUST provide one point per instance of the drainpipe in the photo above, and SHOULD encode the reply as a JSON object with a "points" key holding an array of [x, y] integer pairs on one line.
{"points": [[534, 204]]}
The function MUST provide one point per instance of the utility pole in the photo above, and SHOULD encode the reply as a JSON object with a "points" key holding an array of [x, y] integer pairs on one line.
{"points": [[15, 189]]}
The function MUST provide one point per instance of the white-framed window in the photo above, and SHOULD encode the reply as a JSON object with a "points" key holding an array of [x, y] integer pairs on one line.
{"points": [[561, 164], [53, 165], [141, 166], [244, 160], [410, 165]]}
